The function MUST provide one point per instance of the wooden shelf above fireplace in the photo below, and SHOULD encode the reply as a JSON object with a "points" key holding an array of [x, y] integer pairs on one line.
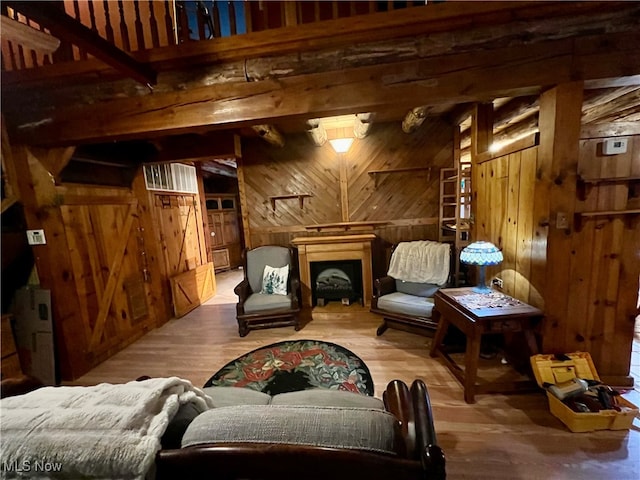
{"points": [[346, 226]]}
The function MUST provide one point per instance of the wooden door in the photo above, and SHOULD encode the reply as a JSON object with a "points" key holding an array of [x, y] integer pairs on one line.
{"points": [[106, 250], [217, 227], [180, 225]]}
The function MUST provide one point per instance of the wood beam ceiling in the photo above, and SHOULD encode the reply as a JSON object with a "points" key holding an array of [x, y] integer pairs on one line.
{"points": [[466, 77]]}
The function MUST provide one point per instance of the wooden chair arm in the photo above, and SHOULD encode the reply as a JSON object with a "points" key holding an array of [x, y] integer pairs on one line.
{"points": [[11, 387], [243, 290], [431, 454], [384, 286], [397, 400]]}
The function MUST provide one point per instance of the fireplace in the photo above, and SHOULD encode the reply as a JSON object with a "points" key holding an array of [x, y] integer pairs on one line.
{"points": [[336, 280], [343, 249]]}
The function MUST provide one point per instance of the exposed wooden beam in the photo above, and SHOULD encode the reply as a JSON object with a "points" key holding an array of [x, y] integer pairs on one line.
{"points": [[460, 113], [503, 72], [614, 104], [511, 134], [362, 124], [27, 36], [481, 129], [270, 134], [414, 118], [69, 29], [317, 132], [195, 148], [217, 168], [513, 111]]}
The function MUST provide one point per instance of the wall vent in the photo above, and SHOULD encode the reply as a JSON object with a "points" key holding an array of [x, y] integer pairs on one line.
{"points": [[171, 177]]}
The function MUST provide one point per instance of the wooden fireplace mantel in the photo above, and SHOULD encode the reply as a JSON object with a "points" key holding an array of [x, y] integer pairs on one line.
{"points": [[335, 248]]}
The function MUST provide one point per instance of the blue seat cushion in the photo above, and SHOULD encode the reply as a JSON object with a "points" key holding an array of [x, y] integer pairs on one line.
{"points": [[403, 303]]}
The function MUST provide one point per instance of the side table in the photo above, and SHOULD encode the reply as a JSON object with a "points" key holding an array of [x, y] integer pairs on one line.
{"points": [[476, 315]]}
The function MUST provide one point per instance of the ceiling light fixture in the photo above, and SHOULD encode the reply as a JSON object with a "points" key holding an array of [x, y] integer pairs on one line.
{"points": [[341, 145]]}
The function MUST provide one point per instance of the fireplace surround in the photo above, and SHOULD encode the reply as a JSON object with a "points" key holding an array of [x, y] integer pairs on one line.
{"points": [[334, 249]]}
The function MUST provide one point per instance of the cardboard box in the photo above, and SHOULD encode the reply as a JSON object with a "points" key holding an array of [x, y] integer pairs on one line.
{"points": [[547, 369], [34, 333]]}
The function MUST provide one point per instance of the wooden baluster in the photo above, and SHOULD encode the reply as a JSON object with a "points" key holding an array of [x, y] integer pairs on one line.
{"points": [[352, 11], [183, 23], [316, 9], [201, 19], [232, 18], [139, 28], [215, 15], [334, 11], [64, 53], [373, 7], [168, 22], [389, 5], [76, 14], [92, 17], [124, 30], [155, 36], [19, 52], [107, 19], [33, 53], [247, 16]]}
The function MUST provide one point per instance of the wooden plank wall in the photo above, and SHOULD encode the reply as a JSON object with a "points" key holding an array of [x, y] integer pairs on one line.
{"points": [[107, 260], [407, 200], [605, 261], [503, 196], [602, 257]]}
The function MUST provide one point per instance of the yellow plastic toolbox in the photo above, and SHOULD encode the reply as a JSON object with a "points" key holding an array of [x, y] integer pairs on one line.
{"points": [[548, 369]]}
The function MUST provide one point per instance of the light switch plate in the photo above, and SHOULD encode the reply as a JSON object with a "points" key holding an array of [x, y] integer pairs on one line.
{"points": [[36, 237]]}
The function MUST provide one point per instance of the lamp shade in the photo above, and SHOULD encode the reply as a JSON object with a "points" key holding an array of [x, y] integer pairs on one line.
{"points": [[481, 253]]}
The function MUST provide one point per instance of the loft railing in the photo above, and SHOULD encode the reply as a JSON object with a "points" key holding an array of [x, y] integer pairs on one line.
{"points": [[145, 24]]}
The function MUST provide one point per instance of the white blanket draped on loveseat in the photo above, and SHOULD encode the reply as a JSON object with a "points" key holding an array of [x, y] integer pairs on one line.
{"points": [[104, 431], [421, 261]]}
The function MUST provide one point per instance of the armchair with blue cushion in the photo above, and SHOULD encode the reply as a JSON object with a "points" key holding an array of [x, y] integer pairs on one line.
{"points": [[404, 297], [269, 294]]}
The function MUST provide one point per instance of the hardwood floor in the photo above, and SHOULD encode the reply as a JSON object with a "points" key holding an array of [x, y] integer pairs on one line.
{"points": [[499, 437]]}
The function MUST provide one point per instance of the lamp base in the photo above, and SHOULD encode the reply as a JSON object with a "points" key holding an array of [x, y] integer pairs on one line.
{"points": [[482, 284], [482, 289]]}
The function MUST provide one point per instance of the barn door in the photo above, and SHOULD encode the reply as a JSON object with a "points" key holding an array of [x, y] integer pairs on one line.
{"points": [[108, 263], [181, 225]]}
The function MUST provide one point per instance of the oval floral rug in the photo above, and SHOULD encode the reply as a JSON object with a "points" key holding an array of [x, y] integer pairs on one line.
{"points": [[296, 365]]}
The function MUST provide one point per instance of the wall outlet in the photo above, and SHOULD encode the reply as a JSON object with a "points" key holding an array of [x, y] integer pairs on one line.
{"points": [[497, 282], [562, 222], [36, 237]]}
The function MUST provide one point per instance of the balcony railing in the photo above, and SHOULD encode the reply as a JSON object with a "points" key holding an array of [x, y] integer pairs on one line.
{"points": [[147, 24]]}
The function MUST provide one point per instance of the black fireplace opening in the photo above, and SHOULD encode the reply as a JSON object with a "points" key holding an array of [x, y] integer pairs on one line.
{"points": [[336, 281]]}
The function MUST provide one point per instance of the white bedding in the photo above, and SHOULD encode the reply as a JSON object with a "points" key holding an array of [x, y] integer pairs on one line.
{"points": [[104, 431], [421, 261]]}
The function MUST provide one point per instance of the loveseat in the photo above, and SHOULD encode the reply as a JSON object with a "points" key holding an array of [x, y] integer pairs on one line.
{"points": [[315, 433], [165, 428]]}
